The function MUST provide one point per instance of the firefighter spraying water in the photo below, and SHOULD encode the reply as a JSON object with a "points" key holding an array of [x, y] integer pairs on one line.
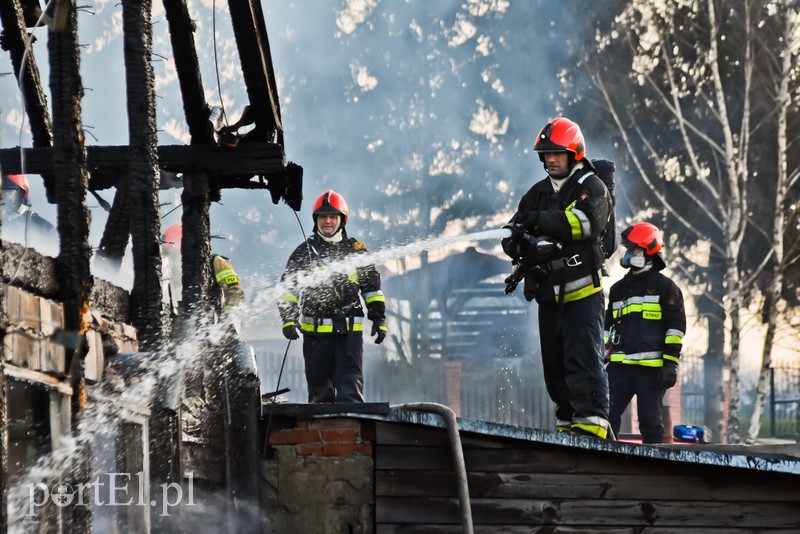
{"points": [[556, 242]]}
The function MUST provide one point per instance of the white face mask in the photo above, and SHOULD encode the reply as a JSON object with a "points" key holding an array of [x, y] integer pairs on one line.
{"points": [[632, 260]]}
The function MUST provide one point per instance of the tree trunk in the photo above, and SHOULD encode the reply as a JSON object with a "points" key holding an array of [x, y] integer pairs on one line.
{"points": [[775, 287], [734, 313], [713, 377]]}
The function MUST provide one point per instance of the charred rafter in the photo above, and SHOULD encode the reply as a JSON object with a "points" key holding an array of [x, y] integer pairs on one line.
{"points": [[14, 39], [253, 44], [106, 163]]}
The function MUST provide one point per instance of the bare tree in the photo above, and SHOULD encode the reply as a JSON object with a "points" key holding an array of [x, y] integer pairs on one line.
{"points": [[786, 59], [685, 113]]}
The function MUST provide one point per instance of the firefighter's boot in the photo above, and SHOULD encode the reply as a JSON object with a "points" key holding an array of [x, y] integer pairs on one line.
{"points": [[595, 426]]}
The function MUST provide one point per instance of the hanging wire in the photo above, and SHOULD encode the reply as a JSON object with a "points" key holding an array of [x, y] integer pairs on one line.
{"points": [[216, 60]]}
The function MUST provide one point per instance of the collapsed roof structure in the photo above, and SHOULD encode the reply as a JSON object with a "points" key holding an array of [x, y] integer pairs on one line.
{"points": [[217, 158]]}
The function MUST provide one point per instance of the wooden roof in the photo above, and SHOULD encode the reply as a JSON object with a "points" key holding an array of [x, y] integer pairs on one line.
{"points": [[532, 480]]}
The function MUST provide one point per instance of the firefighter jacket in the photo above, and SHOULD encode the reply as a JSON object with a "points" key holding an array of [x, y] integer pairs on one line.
{"points": [[228, 282], [576, 217], [645, 319], [322, 303]]}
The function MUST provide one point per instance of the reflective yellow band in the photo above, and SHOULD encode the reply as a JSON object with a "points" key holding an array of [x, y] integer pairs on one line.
{"points": [[353, 277], [674, 340], [373, 296], [229, 276], [581, 293], [325, 326], [289, 298], [288, 323], [671, 358], [631, 359], [574, 223], [597, 430]]}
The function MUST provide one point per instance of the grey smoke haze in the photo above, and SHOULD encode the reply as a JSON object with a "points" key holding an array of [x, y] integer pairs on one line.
{"points": [[418, 112]]}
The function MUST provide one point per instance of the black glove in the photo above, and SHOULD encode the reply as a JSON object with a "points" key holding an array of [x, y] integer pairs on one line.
{"points": [[667, 375], [290, 331], [379, 328], [531, 220]]}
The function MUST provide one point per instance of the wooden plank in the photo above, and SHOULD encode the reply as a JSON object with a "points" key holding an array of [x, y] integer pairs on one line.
{"points": [[394, 528], [565, 460], [401, 434], [578, 486], [558, 459], [248, 158], [34, 377], [591, 513]]}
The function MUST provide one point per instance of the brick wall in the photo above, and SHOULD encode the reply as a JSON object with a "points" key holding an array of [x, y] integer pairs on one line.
{"points": [[320, 477]]}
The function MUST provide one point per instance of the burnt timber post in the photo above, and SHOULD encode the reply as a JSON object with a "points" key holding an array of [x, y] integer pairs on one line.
{"points": [[72, 264], [146, 307], [15, 39]]}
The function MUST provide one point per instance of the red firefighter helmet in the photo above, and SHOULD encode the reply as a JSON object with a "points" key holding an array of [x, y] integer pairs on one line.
{"points": [[645, 236], [330, 202], [173, 236], [18, 182], [560, 135]]}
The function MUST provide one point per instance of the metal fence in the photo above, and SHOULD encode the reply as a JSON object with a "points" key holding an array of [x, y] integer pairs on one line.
{"points": [[781, 415], [784, 400], [499, 394], [692, 390], [507, 395]]}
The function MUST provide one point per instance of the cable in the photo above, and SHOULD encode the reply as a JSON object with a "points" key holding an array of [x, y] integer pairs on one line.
{"points": [[289, 344], [216, 61], [305, 239], [20, 77], [277, 388]]}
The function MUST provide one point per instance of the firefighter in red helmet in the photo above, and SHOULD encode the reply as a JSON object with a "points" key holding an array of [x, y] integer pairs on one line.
{"points": [[328, 309], [19, 221], [569, 207], [230, 288], [644, 327]]}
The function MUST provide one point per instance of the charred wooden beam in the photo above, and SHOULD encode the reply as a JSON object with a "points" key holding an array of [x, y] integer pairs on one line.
{"points": [[195, 107], [143, 173], [200, 186], [181, 27], [69, 164], [251, 40], [14, 40], [117, 229], [3, 429], [104, 162]]}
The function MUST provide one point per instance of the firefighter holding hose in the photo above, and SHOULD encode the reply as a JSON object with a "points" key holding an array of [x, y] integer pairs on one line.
{"points": [[556, 233]]}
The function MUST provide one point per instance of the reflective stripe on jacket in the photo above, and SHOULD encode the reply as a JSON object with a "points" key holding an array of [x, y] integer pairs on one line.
{"points": [[645, 320], [325, 301], [576, 218]]}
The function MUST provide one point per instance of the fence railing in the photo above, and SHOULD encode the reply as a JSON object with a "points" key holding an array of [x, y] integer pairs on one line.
{"points": [[500, 395], [781, 412]]}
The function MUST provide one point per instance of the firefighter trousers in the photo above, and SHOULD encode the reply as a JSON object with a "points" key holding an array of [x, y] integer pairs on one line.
{"points": [[572, 357], [624, 382], [333, 364]]}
